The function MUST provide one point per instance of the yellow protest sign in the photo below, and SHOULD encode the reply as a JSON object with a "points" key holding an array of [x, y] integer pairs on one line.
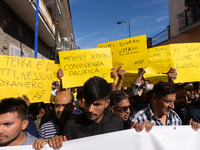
{"points": [[29, 76], [130, 53], [159, 60], [186, 60], [155, 78], [78, 66], [129, 77], [56, 67]]}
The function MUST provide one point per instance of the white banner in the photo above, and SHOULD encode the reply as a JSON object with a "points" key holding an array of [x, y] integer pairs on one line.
{"points": [[159, 138]]}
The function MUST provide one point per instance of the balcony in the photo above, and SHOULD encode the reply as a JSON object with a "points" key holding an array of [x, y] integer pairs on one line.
{"points": [[189, 20], [26, 10], [46, 27], [160, 37], [64, 23]]}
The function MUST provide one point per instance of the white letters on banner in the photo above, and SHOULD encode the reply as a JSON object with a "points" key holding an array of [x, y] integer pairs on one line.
{"points": [[159, 138]]}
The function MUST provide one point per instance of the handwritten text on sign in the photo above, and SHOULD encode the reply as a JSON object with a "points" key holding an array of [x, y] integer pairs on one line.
{"points": [[130, 53], [186, 60], [159, 59], [80, 65], [29, 76]]}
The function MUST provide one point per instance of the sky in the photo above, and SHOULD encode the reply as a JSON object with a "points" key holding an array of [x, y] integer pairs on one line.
{"points": [[95, 21]]}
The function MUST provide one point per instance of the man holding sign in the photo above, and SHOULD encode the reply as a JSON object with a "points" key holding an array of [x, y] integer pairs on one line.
{"points": [[96, 119], [64, 105], [160, 111]]}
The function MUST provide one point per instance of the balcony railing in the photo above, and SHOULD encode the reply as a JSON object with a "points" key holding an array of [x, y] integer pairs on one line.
{"points": [[46, 16], [189, 16], [160, 37]]}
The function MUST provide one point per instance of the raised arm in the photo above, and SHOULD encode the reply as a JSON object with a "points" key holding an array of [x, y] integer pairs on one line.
{"points": [[140, 75], [120, 73], [60, 74], [172, 75], [113, 75], [137, 82]]}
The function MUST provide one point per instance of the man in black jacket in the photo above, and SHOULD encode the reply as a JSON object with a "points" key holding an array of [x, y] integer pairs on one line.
{"points": [[96, 119]]}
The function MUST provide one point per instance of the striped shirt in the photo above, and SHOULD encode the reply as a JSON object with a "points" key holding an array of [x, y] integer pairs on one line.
{"points": [[146, 114], [51, 128]]}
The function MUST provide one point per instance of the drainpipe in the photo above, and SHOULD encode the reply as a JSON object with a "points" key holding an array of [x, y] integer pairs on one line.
{"points": [[55, 46], [36, 29]]}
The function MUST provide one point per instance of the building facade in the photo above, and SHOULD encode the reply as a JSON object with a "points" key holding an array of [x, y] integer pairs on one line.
{"points": [[184, 24], [17, 28]]}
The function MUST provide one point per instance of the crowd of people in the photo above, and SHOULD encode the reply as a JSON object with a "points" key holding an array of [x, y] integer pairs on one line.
{"points": [[97, 108]]}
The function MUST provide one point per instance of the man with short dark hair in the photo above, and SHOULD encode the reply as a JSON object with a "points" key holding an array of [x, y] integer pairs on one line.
{"points": [[160, 111], [64, 105], [180, 103], [13, 121], [97, 118]]}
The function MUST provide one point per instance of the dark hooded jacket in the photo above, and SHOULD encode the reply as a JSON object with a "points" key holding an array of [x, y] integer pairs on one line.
{"points": [[82, 127]]}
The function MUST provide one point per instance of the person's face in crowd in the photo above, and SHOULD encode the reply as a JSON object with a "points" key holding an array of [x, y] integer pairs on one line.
{"points": [[63, 106], [42, 112], [80, 103], [164, 104], [69, 89], [146, 82], [11, 127], [74, 90], [181, 99], [123, 109], [190, 92], [95, 110], [53, 87]]}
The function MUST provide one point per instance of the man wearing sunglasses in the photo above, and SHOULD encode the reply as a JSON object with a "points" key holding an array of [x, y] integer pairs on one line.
{"points": [[119, 104]]}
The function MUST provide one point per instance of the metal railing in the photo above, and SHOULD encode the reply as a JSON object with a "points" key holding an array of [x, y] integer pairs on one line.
{"points": [[160, 37], [188, 17]]}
